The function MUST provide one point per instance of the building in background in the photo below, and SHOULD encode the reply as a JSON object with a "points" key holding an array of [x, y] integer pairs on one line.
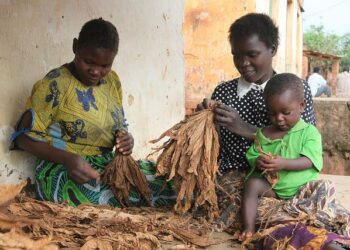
{"points": [[329, 65], [207, 52]]}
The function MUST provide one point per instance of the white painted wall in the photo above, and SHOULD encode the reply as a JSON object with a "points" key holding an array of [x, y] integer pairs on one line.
{"points": [[36, 36], [263, 6], [282, 27], [289, 53]]}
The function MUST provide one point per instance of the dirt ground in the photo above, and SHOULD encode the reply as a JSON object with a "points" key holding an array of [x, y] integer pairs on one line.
{"points": [[342, 185]]}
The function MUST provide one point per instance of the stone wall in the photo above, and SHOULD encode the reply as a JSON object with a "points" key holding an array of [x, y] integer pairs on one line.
{"points": [[333, 121]]}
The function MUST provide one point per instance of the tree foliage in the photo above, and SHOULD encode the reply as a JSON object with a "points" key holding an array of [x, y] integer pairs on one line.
{"points": [[317, 39]]}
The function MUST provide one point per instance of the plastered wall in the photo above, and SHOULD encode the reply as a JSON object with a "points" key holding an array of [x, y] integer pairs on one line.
{"points": [[36, 36], [207, 50]]}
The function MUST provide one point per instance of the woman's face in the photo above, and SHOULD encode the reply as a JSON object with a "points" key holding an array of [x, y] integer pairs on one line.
{"points": [[253, 59], [92, 64]]}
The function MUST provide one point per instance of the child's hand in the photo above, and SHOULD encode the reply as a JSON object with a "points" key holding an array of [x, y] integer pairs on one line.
{"points": [[79, 170], [268, 164], [124, 143]]}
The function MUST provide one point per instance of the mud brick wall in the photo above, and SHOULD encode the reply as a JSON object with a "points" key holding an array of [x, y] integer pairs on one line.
{"points": [[333, 121]]}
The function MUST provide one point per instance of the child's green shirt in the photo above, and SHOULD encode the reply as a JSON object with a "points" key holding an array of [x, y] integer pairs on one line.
{"points": [[301, 140]]}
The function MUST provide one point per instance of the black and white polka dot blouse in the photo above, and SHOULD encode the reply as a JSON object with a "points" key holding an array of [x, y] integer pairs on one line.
{"points": [[252, 109]]}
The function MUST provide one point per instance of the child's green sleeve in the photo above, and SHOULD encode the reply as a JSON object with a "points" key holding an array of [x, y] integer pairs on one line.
{"points": [[251, 156]]}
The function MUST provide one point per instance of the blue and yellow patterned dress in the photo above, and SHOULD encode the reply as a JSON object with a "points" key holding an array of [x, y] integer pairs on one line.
{"points": [[81, 119]]}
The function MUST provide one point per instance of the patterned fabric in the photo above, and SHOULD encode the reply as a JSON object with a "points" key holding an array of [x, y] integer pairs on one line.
{"points": [[299, 236], [314, 204], [53, 184], [74, 117], [301, 140], [317, 201], [251, 108], [311, 218]]}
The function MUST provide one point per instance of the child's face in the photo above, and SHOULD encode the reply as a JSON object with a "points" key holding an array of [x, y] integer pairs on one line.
{"points": [[253, 59], [284, 110], [92, 64]]}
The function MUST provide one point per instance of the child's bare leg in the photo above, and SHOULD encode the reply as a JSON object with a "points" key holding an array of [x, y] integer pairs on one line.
{"points": [[253, 189]]}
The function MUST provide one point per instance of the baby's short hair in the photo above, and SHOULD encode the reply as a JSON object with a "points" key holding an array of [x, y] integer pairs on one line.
{"points": [[99, 33], [280, 83], [255, 23]]}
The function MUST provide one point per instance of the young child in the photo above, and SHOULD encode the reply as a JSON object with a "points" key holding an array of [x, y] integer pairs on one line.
{"points": [[295, 147], [71, 118]]}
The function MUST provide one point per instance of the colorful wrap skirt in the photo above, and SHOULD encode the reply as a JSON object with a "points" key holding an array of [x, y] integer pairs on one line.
{"points": [[310, 220], [294, 235], [53, 184]]}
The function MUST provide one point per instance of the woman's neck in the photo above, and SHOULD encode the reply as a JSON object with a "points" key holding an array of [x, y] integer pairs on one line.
{"points": [[71, 67], [266, 77]]}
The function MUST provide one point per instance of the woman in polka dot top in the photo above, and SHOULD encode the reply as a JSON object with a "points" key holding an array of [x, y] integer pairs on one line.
{"points": [[254, 42]]}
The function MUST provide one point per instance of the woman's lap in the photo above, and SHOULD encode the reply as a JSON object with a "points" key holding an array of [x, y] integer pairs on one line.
{"points": [[53, 184]]}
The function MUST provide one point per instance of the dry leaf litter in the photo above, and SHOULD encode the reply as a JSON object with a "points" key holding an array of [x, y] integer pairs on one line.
{"points": [[31, 224]]}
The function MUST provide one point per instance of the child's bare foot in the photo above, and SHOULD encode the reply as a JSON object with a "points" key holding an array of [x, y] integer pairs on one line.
{"points": [[246, 235]]}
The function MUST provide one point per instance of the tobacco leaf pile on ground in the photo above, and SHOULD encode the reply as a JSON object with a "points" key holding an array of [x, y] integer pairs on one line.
{"points": [[122, 173], [31, 224], [190, 157]]}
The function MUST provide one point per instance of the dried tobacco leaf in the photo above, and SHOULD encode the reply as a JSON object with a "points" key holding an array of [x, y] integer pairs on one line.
{"points": [[94, 244], [194, 237], [147, 241], [10, 191], [272, 178], [92, 226], [14, 240], [9, 222], [122, 173], [190, 157], [182, 247]]}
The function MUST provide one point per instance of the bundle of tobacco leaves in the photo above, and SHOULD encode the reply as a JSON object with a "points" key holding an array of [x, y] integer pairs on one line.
{"points": [[190, 157], [32, 224], [122, 173]]}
